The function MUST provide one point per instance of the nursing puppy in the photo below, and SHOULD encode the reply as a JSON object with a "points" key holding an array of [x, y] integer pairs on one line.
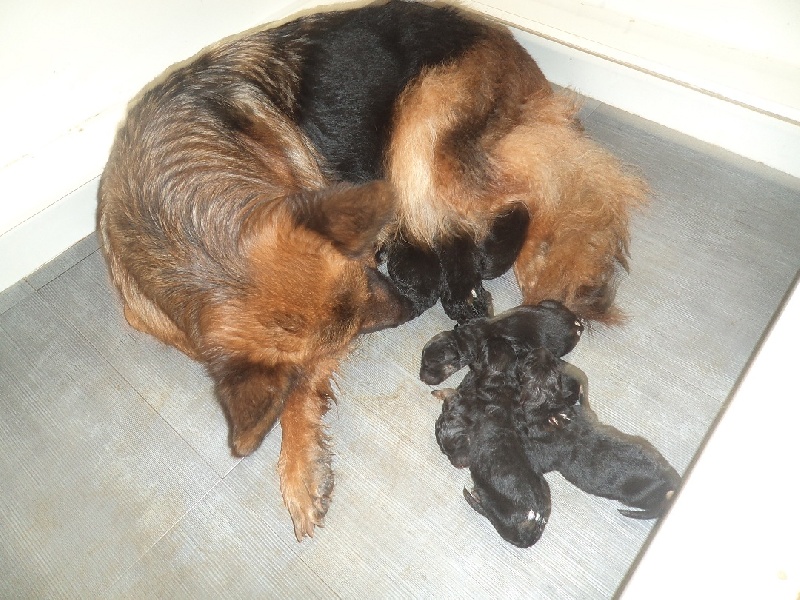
{"points": [[453, 272], [561, 433], [485, 131], [549, 324], [475, 430]]}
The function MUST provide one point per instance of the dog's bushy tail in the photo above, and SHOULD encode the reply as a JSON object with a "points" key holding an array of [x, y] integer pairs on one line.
{"points": [[581, 199]]}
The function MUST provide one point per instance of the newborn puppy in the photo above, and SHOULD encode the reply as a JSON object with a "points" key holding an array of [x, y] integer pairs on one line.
{"points": [[454, 426], [453, 272], [416, 273], [561, 433], [476, 430], [462, 293], [548, 324], [499, 249]]}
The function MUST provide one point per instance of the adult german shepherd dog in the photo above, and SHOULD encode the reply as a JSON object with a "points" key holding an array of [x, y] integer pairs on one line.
{"points": [[247, 192]]}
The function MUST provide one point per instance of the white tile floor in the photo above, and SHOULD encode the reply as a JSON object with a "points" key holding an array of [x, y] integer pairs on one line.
{"points": [[117, 479]]}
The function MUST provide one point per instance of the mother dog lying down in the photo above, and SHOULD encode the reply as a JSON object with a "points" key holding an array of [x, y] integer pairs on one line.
{"points": [[246, 193]]}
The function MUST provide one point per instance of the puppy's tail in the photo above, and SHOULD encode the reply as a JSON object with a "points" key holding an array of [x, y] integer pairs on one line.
{"points": [[650, 513]]}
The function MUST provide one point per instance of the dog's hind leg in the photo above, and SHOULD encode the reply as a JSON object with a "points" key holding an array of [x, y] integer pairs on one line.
{"points": [[156, 323], [581, 199], [305, 461], [140, 312]]}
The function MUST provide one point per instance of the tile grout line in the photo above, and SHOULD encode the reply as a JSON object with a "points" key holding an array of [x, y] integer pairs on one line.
{"points": [[67, 268], [166, 532], [202, 459]]}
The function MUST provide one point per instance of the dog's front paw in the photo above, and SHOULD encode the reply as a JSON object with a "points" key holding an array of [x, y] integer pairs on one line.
{"points": [[306, 486]]}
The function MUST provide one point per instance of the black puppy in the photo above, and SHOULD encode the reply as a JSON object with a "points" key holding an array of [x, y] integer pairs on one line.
{"points": [[475, 430], [548, 324], [561, 433], [454, 272]]}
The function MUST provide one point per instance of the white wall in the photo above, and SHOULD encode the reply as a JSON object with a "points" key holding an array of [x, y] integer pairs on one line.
{"points": [[724, 71], [741, 50], [67, 72]]}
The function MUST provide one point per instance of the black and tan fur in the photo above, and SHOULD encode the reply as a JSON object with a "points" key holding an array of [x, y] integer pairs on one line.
{"points": [[247, 190]]}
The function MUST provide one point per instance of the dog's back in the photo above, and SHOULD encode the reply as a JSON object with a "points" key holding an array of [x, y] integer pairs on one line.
{"points": [[506, 490], [609, 463], [377, 50]]}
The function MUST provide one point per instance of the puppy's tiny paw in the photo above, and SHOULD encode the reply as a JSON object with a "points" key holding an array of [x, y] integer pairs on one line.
{"points": [[536, 516], [559, 420]]}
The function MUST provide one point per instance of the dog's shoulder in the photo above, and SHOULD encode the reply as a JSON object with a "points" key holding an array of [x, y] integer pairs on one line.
{"points": [[357, 63]]}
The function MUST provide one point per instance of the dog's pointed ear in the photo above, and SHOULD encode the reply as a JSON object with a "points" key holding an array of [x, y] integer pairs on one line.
{"points": [[350, 216], [252, 396]]}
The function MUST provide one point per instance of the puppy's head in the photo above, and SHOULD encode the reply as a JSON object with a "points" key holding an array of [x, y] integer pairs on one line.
{"points": [[476, 303], [499, 249], [463, 296], [441, 358], [415, 271], [519, 520]]}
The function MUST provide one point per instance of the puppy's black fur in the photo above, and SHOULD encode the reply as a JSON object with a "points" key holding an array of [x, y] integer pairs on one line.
{"points": [[416, 272], [476, 430], [549, 325], [454, 272], [454, 426], [499, 249], [462, 293], [561, 433]]}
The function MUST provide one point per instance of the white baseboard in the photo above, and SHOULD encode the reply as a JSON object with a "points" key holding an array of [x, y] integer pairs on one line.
{"points": [[754, 135], [40, 239]]}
